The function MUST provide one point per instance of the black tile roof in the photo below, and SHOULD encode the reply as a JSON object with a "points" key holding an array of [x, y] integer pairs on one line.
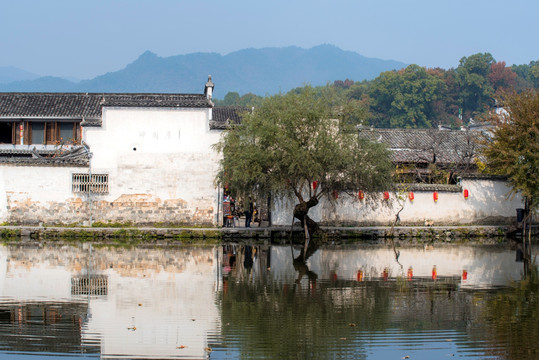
{"points": [[157, 100], [28, 155], [426, 145], [87, 105], [224, 116], [50, 105]]}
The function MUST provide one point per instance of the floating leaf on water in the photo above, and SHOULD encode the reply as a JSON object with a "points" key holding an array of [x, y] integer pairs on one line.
{"points": [[352, 324], [181, 347], [208, 349]]}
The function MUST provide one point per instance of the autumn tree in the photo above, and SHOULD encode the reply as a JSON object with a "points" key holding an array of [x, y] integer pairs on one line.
{"points": [[501, 78], [296, 139], [512, 148]]}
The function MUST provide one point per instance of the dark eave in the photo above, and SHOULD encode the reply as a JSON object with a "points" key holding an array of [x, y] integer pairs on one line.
{"points": [[41, 155]]}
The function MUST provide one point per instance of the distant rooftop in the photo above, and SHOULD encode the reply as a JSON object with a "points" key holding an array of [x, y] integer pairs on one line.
{"points": [[224, 116], [426, 145]]}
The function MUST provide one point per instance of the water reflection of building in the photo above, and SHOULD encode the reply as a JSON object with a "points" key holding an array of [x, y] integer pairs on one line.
{"points": [[43, 327], [135, 302], [164, 302], [472, 266]]}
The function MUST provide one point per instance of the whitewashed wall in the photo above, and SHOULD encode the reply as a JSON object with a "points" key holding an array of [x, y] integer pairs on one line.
{"points": [[160, 163], [34, 194], [487, 203]]}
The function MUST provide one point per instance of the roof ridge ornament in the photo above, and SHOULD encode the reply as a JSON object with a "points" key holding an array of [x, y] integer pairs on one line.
{"points": [[208, 90]]}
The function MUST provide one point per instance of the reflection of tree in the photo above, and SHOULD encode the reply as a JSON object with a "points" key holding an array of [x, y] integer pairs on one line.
{"points": [[273, 320], [510, 318]]}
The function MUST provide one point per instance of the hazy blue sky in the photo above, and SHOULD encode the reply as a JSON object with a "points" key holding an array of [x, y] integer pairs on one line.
{"points": [[86, 38]]}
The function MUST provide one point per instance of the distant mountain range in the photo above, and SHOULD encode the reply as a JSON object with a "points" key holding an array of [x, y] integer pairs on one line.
{"points": [[259, 71]]}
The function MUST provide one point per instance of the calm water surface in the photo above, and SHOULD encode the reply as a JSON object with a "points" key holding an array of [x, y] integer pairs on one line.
{"points": [[255, 302]]}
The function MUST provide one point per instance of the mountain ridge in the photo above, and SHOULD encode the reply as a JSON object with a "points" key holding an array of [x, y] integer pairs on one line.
{"points": [[263, 71]]}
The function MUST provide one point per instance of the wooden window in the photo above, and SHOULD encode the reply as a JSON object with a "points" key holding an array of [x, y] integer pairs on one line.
{"points": [[97, 184], [38, 133], [51, 133]]}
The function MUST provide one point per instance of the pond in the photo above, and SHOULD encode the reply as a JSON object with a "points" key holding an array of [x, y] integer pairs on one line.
{"points": [[254, 302]]}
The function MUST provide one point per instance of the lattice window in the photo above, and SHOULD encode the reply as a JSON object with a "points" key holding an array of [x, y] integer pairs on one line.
{"points": [[98, 184], [89, 285]]}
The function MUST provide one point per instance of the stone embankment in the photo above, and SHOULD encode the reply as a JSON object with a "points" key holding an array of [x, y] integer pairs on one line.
{"points": [[273, 234]]}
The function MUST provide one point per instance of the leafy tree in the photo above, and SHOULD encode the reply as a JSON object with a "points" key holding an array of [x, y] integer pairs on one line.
{"points": [[292, 140], [475, 90], [404, 98], [231, 98], [528, 73], [250, 100], [513, 146]]}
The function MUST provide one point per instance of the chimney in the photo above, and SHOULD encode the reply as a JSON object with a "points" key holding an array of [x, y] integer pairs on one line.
{"points": [[208, 90]]}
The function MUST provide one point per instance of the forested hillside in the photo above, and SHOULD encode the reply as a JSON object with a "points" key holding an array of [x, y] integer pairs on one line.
{"points": [[418, 97]]}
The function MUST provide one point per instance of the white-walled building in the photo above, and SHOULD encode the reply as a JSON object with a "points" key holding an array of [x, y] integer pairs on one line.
{"points": [[126, 158], [143, 159]]}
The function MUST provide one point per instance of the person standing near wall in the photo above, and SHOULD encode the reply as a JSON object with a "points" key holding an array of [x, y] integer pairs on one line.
{"points": [[248, 211]]}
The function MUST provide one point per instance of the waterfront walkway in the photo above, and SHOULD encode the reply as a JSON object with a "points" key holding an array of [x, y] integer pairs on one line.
{"points": [[445, 233]]}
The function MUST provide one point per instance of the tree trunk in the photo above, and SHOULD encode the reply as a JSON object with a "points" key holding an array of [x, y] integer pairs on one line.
{"points": [[311, 227]]}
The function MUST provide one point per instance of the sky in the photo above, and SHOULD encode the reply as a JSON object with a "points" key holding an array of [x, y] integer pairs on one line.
{"points": [[86, 38]]}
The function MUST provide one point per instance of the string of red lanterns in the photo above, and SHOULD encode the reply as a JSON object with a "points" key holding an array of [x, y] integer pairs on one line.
{"points": [[411, 195]]}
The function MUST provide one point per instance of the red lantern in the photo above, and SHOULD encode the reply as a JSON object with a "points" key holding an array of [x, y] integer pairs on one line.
{"points": [[360, 195], [466, 193], [464, 275], [435, 196], [386, 195], [359, 275], [335, 194], [385, 274], [315, 184], [411, 196], [434, 273], [410, 273]]}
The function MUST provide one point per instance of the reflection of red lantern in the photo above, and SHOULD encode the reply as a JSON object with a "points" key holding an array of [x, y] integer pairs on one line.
{"points": [[466, 193], [434, 273], [411, 196], [334, 276], [464, 275], [335, 194], [315, 184], [386, 195], [410, 273], [360, 195], [435, 196], [359, 275]]}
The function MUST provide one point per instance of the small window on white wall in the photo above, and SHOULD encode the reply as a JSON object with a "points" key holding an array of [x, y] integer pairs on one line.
{"points": [[97, 184]]}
